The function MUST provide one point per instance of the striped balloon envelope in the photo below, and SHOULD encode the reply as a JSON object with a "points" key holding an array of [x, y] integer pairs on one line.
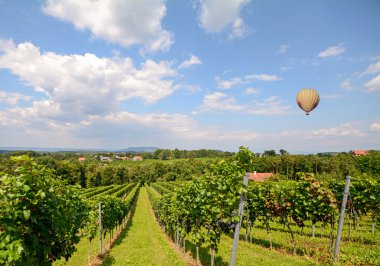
{"points": [[307, 99]]}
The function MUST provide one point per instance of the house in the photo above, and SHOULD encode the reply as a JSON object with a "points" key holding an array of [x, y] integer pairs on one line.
{"points": [[259, 177], [359, 152], [105, 159], [123, 158], [137, 158], [81, 159]]}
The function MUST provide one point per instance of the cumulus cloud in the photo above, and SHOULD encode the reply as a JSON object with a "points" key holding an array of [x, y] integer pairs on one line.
{"points": [[239, 30], [79, 85], [343, 130], [218, 102], [193, 60], [262, 77], [237, 81], [373, 84], [12, 98], [126, 22], [332, 51], [372, 69], [218, 15], [117, 129], [269, 106], [171, 129], [228, 84]]}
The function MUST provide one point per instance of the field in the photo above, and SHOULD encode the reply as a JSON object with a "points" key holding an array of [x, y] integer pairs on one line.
{"points": [[143, 235], [186, 222]]}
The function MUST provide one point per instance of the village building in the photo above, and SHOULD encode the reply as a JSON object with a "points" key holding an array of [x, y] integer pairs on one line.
{"points": [[105, 159], [137, 158], [359, 152], [259, 177]]}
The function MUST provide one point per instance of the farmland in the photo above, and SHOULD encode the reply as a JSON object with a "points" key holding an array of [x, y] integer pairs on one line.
{"points": [[285, 221]]}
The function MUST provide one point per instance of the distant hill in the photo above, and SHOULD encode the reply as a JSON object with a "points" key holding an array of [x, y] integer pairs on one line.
{"points": [[139, 149], [40, 149]]}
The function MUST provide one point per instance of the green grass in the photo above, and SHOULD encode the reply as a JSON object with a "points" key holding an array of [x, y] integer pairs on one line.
{"points": [[143, 242], [362, 248], [85, 251], [247, 254]]}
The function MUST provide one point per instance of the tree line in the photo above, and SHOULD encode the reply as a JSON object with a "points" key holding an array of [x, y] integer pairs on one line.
{"points": [[92, 172]]}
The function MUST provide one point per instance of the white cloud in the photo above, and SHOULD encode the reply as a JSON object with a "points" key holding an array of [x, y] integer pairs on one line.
{"points": [[372, 69], [374, 127], [117, 129], [343, 130], [346, 84], [81, 85], [262, 77], [283, 48], [123, 129], [193, 60], [217, 102], [126, 22], [250, 91], [239, 30], [228, 84], [188, 87], [269, 106], [160, 125], [218, 15], [236, 81], [344, 137], [12, 98], [373, 84], [332, 51]]}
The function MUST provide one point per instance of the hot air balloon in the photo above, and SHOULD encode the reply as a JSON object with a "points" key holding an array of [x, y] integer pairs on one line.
{"points": [[307, 99]]}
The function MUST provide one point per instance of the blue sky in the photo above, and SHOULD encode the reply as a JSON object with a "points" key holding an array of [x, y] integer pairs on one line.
{"points": [[189, 74]]}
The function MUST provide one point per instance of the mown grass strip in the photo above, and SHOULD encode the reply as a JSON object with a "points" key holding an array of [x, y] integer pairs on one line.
{"points": [[86, 250], [143, 242]]}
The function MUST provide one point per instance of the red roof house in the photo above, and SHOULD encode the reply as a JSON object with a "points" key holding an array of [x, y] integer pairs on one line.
{"points": [[259, 177], [359, 152]]}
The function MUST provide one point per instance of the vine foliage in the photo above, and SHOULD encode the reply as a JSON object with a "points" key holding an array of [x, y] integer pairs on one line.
{"points": [[40, 216]]}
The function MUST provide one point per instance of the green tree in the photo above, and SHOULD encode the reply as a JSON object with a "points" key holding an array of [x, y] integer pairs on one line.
{"points": [[269, 153]]}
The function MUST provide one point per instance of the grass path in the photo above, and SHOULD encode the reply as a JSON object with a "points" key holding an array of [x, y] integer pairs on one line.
{"points": [[143, 242]]}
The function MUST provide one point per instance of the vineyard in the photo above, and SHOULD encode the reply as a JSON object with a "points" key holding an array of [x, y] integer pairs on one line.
{"points": [[45, 221]]}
